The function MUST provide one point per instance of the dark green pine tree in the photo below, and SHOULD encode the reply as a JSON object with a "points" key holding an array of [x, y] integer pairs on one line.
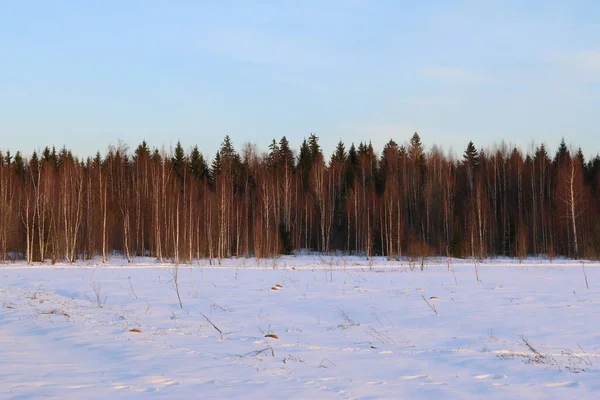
{"points": [[19, 165], [215, 169], [46, 155], [305, 163], [97, 160], [483, 156], [34, 165], [541, 153], [562, 153], [313, 144], [230, 163], [580, 157], [416, 151], [178, 160], [273, 159], [593, 171], [198, 166], [286, 155], [351, 166], [227, 151], [142, 151], [471, 156], [362, 149], [64, 156], [338, 163], [339, 155], [156, 157], [366, 150], [373, 157], [389, 156], [54, 158]]}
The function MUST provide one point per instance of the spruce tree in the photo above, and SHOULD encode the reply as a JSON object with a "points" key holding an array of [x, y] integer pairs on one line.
{"points": [[339, 155], [178, 160], [313, 144], [287, 156], [273, 154], [562, 153], [19, 165], [305, 163], [416, 151], [142, 150], [471, 156], [197, 164]]}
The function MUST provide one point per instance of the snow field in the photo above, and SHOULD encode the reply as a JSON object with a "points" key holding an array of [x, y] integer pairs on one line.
{"points": [[345, 329]]}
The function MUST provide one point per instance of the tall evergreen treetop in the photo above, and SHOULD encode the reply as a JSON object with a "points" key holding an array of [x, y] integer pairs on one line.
{"points": [[216, 165], [304, 157], [541, 153], [579, 156], [227, 151], [287, 156], [471, 156], [416, 151], [97, 159], [156, 157], [389, 155], [34, 163], [339, 155], [142, 151], [197, 164], [313, 144], [562, 153], [178, 160], [19, 165], [273, 154]]}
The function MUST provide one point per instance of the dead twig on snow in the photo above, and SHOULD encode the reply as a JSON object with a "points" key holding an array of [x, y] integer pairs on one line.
{"points": [[131, 287], [259, 352], [430, 305], [213, 325], [323, 365]]}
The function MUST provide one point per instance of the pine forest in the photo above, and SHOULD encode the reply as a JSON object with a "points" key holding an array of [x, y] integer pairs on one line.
{"points": [[406, 201]]}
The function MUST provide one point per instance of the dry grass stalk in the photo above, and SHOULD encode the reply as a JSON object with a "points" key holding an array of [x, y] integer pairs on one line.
{"points": [[430, 305], [213, 325], [131, 287], [329, 363], [539, 358], [96, 287], [56, 312], [585, 275], [259, 352]]}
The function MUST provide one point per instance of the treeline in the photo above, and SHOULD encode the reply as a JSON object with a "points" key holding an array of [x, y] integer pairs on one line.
{"points": [[403, 202]]}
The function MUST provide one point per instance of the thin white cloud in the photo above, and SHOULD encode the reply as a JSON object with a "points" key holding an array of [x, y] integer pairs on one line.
{"points": [[454, 74], [276, 49], [588, 60], [582, 64]]}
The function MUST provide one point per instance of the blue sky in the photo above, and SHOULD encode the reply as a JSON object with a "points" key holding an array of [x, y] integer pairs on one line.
{"points": [[87, 73]]}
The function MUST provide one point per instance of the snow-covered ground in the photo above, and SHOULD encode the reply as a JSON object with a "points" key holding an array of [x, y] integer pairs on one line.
{"points": [[346, 328]]}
